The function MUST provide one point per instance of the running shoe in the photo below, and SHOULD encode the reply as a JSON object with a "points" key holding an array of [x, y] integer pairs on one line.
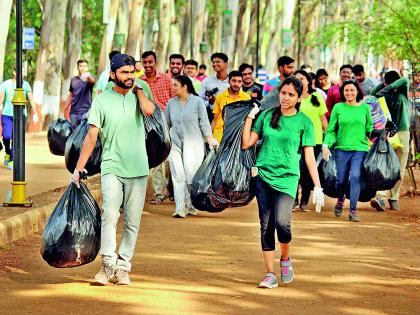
{"points": [[269, 282], [378, 204], [394, 205], [287, 273]]}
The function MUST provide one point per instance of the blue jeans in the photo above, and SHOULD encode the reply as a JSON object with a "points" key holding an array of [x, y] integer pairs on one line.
{"points": [[275, 212], [7, 133], [130, 193], [349, 163]]}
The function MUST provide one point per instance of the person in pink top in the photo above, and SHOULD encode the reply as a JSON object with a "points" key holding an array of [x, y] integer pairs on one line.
{"points": [[334, 95]]}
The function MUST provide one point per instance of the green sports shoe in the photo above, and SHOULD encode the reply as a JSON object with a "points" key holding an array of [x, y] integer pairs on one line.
{"points": [[6, 159], [10, 165]]}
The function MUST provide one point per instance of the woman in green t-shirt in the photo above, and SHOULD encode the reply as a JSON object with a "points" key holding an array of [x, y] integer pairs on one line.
{"points": [[284, 131], [312, 105], [348, 131]]}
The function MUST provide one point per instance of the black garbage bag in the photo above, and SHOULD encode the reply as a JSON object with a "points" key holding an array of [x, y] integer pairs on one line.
{"points": [[327, 171], [230, 185], [158, 141], [58, 133], [271, 100], [200, 198], [74, 147], [382, 165], [72, 235]]}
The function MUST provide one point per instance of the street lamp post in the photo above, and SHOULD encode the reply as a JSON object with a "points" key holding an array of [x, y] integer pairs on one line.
{"points": [[257, 57], [19, 101]]}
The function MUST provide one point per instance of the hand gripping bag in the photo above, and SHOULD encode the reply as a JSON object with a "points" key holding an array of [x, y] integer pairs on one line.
{"points": [[74, 147], [328, 175], [382, 165], [58, 133], [200, 198], [72, 235], [230, 185], [158, 142]]}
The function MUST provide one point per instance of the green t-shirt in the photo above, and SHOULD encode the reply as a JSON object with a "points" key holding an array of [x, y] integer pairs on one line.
{"points": [[348, 127], [280, 153], [314, 114], [121, 125], [8, 88], [144, 85]]}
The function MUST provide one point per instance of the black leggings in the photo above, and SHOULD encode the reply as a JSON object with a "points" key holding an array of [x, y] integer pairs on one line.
{"points": [[275, 211], [305, 179]]}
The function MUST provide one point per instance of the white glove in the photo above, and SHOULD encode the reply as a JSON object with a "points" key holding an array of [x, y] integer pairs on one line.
{"points": [[254, 112], [35, 118], [85, 76], [318, 198], [75, 178], [326, 153], [212, 142]]}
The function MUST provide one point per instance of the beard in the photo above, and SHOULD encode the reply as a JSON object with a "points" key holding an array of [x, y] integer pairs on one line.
{"points": [[127, 84]]}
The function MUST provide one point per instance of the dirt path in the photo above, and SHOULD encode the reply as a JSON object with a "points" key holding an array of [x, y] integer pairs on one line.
{"points": [[211, 264]]}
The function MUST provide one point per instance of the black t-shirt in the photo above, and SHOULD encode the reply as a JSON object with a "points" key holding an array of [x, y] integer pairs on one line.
{"points": [[82, 96], [255, 91]]}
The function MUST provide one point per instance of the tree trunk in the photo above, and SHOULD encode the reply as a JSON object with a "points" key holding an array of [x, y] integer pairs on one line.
{"points": [[185, 29], [229, 31], [164, 29], [5, 11], [108, 34], [199, 24], [74, 45], [50, 57], [174, 43], [240, 33], [123, 19], [135, 27], [275, 36]]}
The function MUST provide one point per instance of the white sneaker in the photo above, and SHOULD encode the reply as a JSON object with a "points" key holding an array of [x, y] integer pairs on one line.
{"points": [[104, 275], [121, 277], [179, 214], [192, 211]]}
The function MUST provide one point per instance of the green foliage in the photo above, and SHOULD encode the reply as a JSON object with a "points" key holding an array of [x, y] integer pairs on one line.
{"points": [[387, 28]]}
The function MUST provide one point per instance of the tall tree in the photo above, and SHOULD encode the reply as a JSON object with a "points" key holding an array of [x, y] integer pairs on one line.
{"points": [[164, 30], [135, 27], [5, 11], [108, 34], [74, 44], [50, 56]]}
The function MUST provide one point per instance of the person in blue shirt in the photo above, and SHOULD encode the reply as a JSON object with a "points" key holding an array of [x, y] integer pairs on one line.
{"points": [[7, 92]]}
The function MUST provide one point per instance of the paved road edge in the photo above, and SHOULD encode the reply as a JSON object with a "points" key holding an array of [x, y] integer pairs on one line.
{"points": [[31, 221]]}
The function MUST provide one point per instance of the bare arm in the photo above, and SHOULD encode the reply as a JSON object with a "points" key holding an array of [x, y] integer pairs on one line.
{"points": [[30, 97], [324, 122], [249, 138], [1, 100], [87, 148], [91, 79], [147, 107], [311, 164], [213, 123], [67, 102]]}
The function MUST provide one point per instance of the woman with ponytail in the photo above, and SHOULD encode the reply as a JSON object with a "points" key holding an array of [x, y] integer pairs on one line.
{"points": [[188, 122], [312, 104], [285, 133]]}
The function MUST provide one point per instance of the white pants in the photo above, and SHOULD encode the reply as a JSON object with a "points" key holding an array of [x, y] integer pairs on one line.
{"points": [[183, 168], [130, 193]]}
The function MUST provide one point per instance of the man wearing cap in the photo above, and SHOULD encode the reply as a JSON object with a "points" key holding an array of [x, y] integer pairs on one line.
{"points": [[117, 114]]}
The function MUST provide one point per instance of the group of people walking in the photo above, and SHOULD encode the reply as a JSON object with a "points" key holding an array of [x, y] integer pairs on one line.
{"points": [[310, 118]]}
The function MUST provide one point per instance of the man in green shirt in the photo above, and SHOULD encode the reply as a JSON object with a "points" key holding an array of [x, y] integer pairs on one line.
{"points": [[117, 114], [395, 91]]}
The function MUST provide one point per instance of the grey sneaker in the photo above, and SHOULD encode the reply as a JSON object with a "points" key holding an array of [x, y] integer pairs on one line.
{"points": [[394, 205], [287, 273], [179, 214], [303, 207], [192, 211], [353, 217], [269, 282], [378, 204], [121, 277], [104, 275]]}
